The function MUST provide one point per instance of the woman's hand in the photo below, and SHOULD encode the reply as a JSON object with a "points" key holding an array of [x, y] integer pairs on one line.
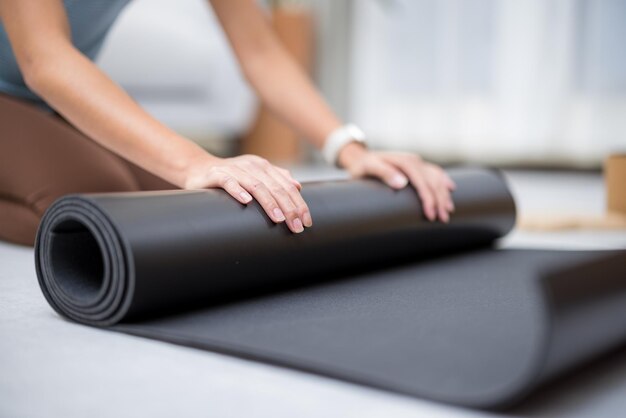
{"points": [[249, 176], [397, 169]]}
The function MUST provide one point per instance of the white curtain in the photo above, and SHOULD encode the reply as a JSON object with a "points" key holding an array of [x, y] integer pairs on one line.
{"points": [[494, 81]]}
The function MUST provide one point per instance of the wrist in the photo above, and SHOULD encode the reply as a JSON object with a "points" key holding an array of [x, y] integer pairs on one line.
{"points": [[338, 139], [350, 153], [196, 170]]}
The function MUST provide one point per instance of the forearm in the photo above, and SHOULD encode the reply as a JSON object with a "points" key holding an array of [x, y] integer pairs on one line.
{"points": [[93, 103], [274, 74], [290, 94]]}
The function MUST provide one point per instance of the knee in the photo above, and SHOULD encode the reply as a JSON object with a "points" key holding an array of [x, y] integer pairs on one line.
{"points": [[102, 177], [22, 213], [18, 223]]}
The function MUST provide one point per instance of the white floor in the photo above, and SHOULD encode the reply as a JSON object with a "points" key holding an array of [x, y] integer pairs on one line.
{"points": [[50, 367]]}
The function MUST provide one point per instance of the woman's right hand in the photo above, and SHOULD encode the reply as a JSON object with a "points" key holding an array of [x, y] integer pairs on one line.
{"points": [[249, 176]]}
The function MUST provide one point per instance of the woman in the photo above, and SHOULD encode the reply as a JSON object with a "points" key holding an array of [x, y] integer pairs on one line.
{"points": [[99, 140]]}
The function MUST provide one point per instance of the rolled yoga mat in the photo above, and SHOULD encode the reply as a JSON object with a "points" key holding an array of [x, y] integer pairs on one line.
{"points": [[372, 293]]}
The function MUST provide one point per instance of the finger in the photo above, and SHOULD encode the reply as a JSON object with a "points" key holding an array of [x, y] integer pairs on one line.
{"points": [[416, 174], [281, 196], [257, 169], [291, 179], [426, 196], [449, 186], [262, 194], [442, 197], [436, 182], [449, 182], [450, 206], [233, 188], [226, 181], [393, 177], [294, 194]]}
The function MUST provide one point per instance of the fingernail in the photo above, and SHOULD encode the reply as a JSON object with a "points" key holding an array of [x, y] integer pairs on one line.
{"points": [[308, 221], [444, 217], [297, 226], [278, 214], [245, 197], [451, 207], [399, 181]]}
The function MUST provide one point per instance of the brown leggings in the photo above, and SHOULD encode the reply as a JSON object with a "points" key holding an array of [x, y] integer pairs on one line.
{"points": [[42, 158]]}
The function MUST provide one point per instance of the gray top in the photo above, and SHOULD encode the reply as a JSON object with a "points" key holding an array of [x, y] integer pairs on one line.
{"points": [[89, 20]]}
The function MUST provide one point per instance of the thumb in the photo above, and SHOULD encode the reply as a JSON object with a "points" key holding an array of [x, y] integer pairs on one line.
{"points": [[388, 173]]}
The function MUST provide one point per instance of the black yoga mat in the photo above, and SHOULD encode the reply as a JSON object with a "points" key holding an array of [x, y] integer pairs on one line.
{"points": [[372, 294]]}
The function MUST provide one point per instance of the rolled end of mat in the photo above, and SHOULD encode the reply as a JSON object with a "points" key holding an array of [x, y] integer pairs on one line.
{"points": [[94, 284]]}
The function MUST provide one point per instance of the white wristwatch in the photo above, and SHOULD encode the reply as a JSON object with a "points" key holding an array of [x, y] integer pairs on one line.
{"points": [[339, 138]]}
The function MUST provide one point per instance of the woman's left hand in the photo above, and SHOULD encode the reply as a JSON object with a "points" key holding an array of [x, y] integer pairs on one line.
{"points": [[398, 169]]}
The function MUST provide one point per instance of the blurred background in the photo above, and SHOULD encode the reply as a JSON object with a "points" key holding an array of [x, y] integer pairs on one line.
{"points": [[501, 82]]}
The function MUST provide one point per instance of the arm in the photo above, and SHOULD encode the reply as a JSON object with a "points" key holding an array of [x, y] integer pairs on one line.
{"points": [[285, 88], [69, 82]]}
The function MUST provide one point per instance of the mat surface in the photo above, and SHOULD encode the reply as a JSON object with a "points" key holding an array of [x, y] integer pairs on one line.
{"points": [[372, 293]]}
